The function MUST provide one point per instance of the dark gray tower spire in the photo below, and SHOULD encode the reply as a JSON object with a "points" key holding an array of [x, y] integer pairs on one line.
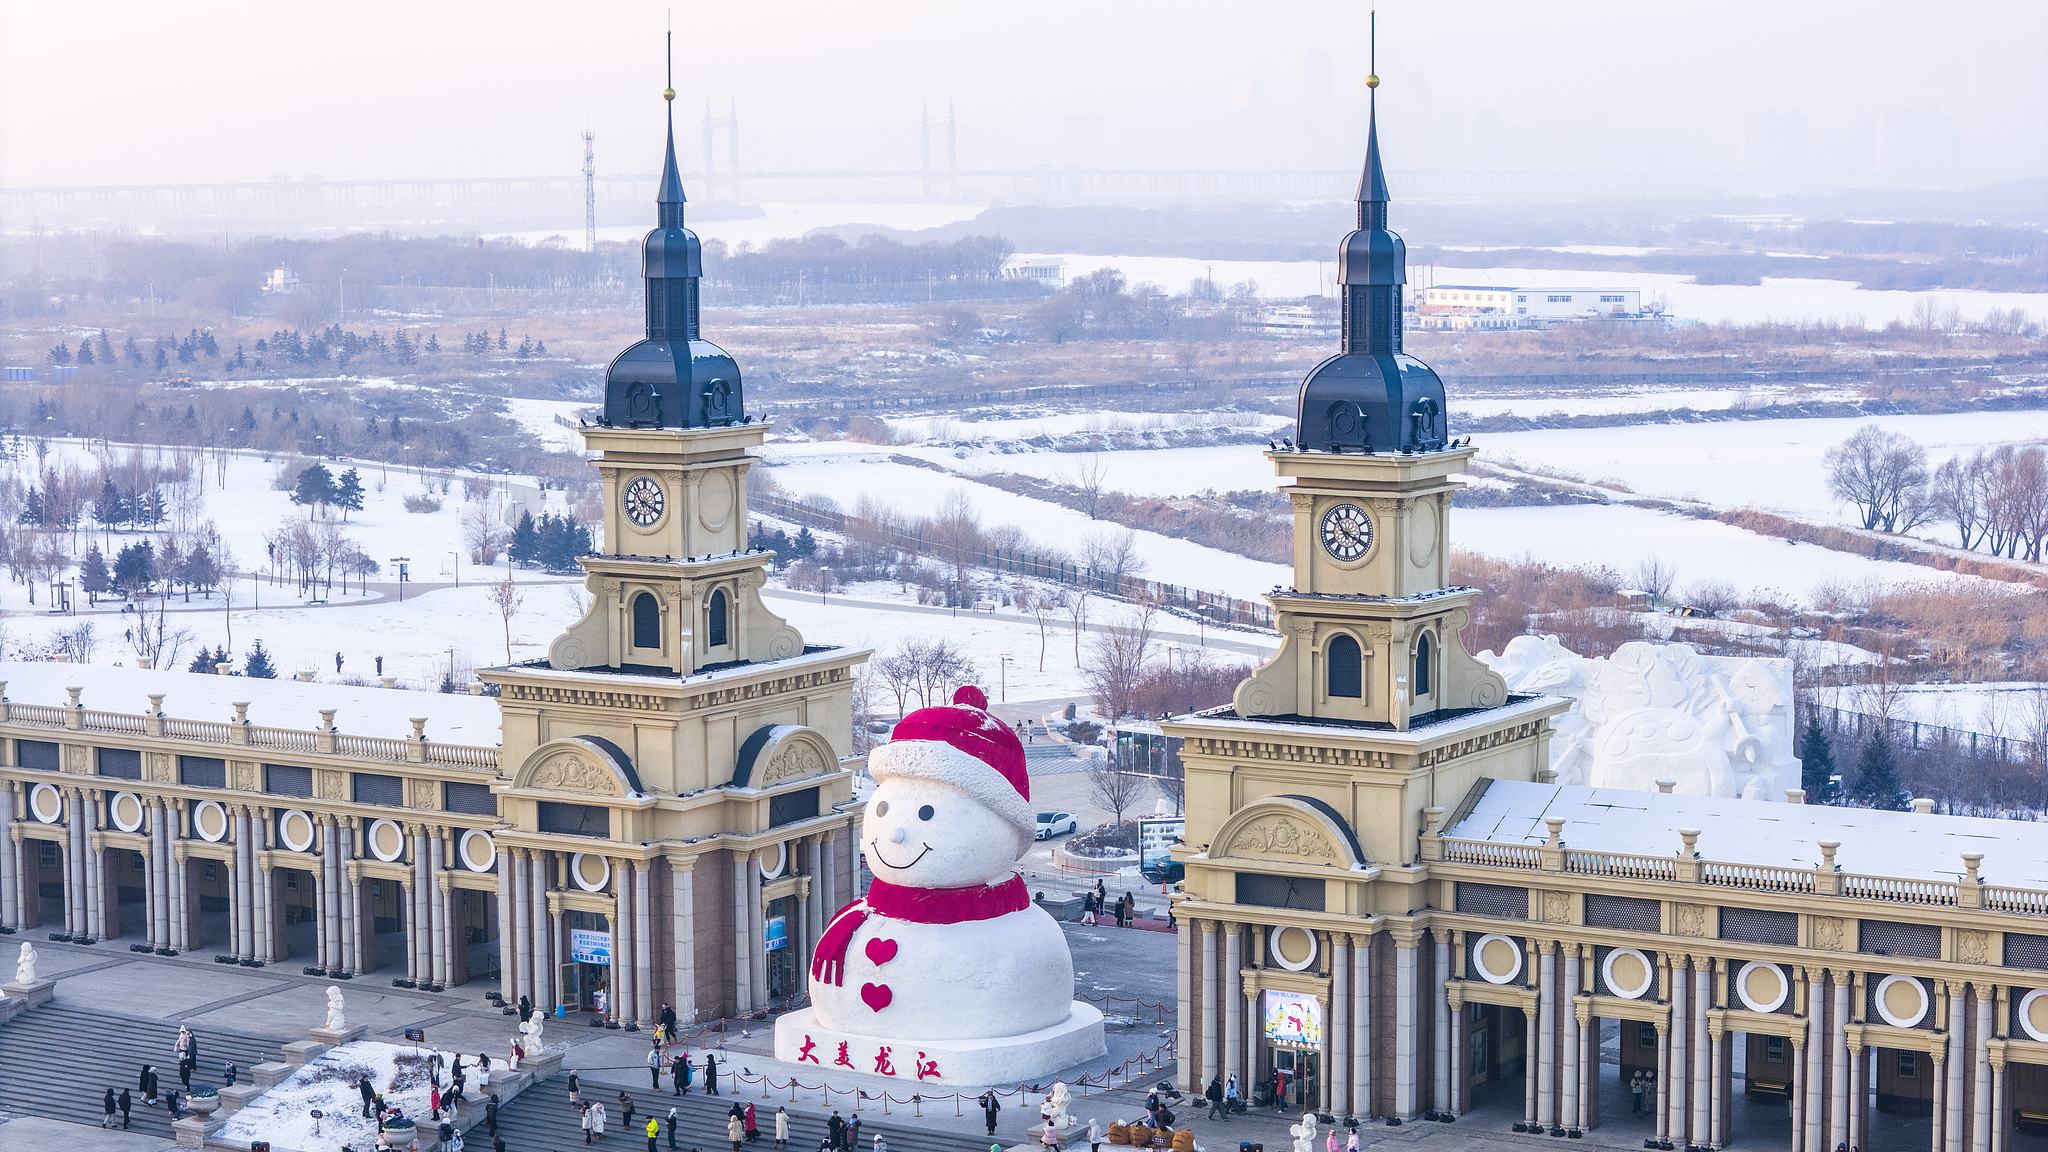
{"points": [[1370, 397]]}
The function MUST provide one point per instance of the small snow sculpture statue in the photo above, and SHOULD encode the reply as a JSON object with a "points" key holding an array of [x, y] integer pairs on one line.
{"points": [[25, 967], [334, 1020], [531, 1029], [1304, 1133], [1054, 1109]]}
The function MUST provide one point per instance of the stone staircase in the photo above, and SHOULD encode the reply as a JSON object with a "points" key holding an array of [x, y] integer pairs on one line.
{"points": [[542, 1121], [58, 1060]]}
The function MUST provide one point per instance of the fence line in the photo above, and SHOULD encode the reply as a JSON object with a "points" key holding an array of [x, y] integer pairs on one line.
{"points": [[1915, 734], [1214, 607]]}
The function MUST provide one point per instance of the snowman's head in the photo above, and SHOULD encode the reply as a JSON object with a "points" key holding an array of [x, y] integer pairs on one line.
{"points": [[952, 805], [926, 834]]}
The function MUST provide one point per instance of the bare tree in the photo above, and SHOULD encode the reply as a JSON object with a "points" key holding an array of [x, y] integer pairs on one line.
{"points": [[506, 597], [483, 532], [1117, 661], [1956, 494], [1087, 477], [1883, 474], [898, 673], [1655, 575], [956, 536], [1076, 605], [1114, 785], [940, 669], [1039, 606], [1114, 553], [1712, 596]]}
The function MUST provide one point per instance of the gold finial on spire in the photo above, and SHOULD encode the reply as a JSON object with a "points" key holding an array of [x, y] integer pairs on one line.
{"points": [[1372, 81], [1372, 48], [669, 93]]}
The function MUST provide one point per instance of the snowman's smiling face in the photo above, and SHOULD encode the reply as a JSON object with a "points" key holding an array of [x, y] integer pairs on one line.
{"points": [[925, 834]]}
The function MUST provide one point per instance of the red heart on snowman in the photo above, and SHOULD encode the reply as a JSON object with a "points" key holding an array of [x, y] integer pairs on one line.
{"points": [[881, 951], [877, 996]]}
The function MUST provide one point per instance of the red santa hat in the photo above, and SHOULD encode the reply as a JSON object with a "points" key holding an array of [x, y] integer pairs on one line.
{"points": [[962, 745]]}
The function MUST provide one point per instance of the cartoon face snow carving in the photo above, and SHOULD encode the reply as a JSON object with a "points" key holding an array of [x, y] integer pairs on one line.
{"points": [[927, 834]]}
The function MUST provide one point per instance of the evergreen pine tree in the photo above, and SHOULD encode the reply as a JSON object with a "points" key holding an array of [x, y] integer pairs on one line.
{"points": [[433, 344], [201, 663], [84, 353], [1817, 759], [1877, 782], [163, 358], [348, 493], [61, 354], [208, 345], [134, 568], [316, 486], [257, 664], [32, 510], [93, 577], [501, 340], [106, 349], [525, 545], [109, 509], [540, 347], [129, 350], [248, 420]]}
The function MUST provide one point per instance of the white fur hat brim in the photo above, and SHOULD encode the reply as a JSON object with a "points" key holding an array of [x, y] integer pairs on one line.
{"points": [[941, 762]]}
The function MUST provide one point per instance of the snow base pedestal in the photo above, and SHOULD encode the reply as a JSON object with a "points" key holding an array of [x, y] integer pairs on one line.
{"points": [[336, 1037], [31, 994], [993, 1060], [192, 1131]]}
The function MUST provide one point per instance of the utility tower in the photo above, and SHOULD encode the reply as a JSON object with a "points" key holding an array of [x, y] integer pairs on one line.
{"points": [[589, 191]]}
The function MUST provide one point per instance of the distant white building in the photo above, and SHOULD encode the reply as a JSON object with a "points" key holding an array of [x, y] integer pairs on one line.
{"points": [[281, 280], [1464, 306], [1050, 271]]}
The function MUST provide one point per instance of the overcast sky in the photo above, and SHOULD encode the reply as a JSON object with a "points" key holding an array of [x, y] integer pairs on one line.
{"points": [[120, 92]]}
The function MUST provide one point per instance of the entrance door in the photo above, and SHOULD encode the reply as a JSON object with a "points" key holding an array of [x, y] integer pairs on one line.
{"points": [[130, 875], [782, 974], [1298, 1077], [572, 984]]}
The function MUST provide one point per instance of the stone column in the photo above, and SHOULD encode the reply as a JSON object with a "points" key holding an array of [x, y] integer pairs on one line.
{"points": [[1940, 1100], [1546, 1036], [1405, 1056], [508, 939], [1663, 1099], [10, 861], [1702, 1054], [419, 920], [1361, 1027], [1718, 1134], [1338, 1026], [245, 883], [828, 875], [1232, 980], [159, 872], [1185, 1073], [328, 924], [1958, 1061], [643, 949], [74, 868], [742, 924], [1838, 1060], [1456, 1104], [1797, 1069], [1980, 1047], [518, 948], [2001, 1138], [622, 940], [180, 930], [437, 904], [547, 934], [557, 956], [1816, 1052], [1207, 1016], [757, 949], [1569, 1003], [1440, 1036], [1529, 1067], [264, 908], [682, 893]]}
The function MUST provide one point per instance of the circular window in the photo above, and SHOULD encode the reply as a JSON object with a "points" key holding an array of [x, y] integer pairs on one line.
{"points": [[210, 820], [590, 871], [386, 840], [1497, 958], [478, 851], [2034, 1014], [1762, 987], [1901, 1000], [295, 830], [1628, 973], [46, 804], [774, 860], [1293, 948], [125, 810]]}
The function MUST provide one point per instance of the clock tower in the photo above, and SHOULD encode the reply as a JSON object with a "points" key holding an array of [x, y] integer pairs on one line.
{"points": [[1370, 627], [675, 588]]}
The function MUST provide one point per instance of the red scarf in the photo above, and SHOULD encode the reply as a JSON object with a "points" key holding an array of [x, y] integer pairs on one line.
{"points": [[916, 905]]}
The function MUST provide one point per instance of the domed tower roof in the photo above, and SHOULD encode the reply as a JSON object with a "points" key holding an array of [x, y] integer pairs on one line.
{"points": [[672, 379], [1371, 396]]}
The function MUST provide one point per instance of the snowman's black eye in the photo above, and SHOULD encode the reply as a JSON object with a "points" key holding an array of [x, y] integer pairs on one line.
{"points": [[924, 813], [881, 807]]}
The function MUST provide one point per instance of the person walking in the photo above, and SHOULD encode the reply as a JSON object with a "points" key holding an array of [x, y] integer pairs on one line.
{"points": [[753, 1128], [1351, 1145], [588, 1120], [1049, 1136], [597, 1124], [989, 1107], [1230, 1096], [107, 1108], [654, 1066], [369, 1096], [668, 1022], [835, 1131], [483, 1074], [853, 1133], [125, 1103], [1635, 1091], [734, 1132], [781, 1127], [626, 1108], [1214, 1095], [171, 1102], [491, 1116], [575, 1091], [1094, 1136], [710, 1074], [146, 1084], [1088, 907], [679, 1071], [653, 1133], [675, 1120]]}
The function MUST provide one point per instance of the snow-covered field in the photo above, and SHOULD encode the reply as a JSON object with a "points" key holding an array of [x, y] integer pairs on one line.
{"points": [[2010, 708], [283, 1115]]}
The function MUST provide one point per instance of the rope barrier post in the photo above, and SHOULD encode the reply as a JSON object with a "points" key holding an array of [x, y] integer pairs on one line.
{"points": [[956, 1105], [764, 1085], [792, 1089], [885, 1103], [917, 1104]]}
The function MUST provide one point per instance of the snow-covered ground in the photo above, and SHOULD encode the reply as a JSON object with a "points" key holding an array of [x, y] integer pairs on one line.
{"points": [[2010, 708], [283, 1115]]}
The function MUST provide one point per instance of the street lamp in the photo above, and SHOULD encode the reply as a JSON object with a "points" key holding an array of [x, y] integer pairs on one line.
{"points": [[1003, 677], [404, 571], [453, 555]]}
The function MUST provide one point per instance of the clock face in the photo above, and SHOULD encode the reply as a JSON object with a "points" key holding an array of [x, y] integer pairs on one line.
{"points": [[644, 502], [1347, 532]]}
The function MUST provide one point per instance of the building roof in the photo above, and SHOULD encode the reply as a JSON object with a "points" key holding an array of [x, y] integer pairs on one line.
{"points": [[452, 718], [1907, 845]]}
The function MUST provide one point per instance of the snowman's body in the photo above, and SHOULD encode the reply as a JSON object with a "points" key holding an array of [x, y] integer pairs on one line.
{"points": [[945, 970], [972, 980]]}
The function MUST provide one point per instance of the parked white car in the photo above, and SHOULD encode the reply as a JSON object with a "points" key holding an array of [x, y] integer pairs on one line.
{"points": [[1052, 824]]}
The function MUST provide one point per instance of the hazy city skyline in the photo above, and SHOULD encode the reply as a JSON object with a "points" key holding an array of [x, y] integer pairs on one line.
{"points": [[1882, 92]]}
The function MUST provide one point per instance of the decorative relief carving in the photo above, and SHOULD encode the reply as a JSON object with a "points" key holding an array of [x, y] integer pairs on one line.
{"points": [[1827, 933], [794, 762], [331, 785], [76, 756], [584, 697], [1557, 907], [1972, 946], [1688, 920], [1479, 744], [571, 772], [777, 687], [752, 578], [1279, 836], [1224, 749], [245, 774], [424, 794], [1302, 501]]}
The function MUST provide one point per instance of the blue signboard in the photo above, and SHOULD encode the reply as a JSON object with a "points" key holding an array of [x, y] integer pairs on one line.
{"points": [[590, 947], [778, 933]]}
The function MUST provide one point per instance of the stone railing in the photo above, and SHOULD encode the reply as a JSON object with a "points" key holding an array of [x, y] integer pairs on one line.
{"points": [[1689, 866], [327, 739]]}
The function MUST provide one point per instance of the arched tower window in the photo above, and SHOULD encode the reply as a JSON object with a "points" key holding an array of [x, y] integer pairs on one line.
{"points": [[646, 621], [1422, 666], [714, 621], [1347, 668]]}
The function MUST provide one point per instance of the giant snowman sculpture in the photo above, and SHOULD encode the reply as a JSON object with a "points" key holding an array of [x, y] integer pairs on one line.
{"points": [[945, 971], [1712, 725]]}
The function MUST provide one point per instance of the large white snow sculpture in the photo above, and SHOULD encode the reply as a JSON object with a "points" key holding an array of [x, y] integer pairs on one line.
{"points": [[1714, 725], [945, 971]]}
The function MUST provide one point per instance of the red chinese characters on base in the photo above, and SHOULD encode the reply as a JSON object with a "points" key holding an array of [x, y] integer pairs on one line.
{"points": [[885, 1065], [882, 1064], [927, 1069], [805, 1052], [844, 1061]]}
